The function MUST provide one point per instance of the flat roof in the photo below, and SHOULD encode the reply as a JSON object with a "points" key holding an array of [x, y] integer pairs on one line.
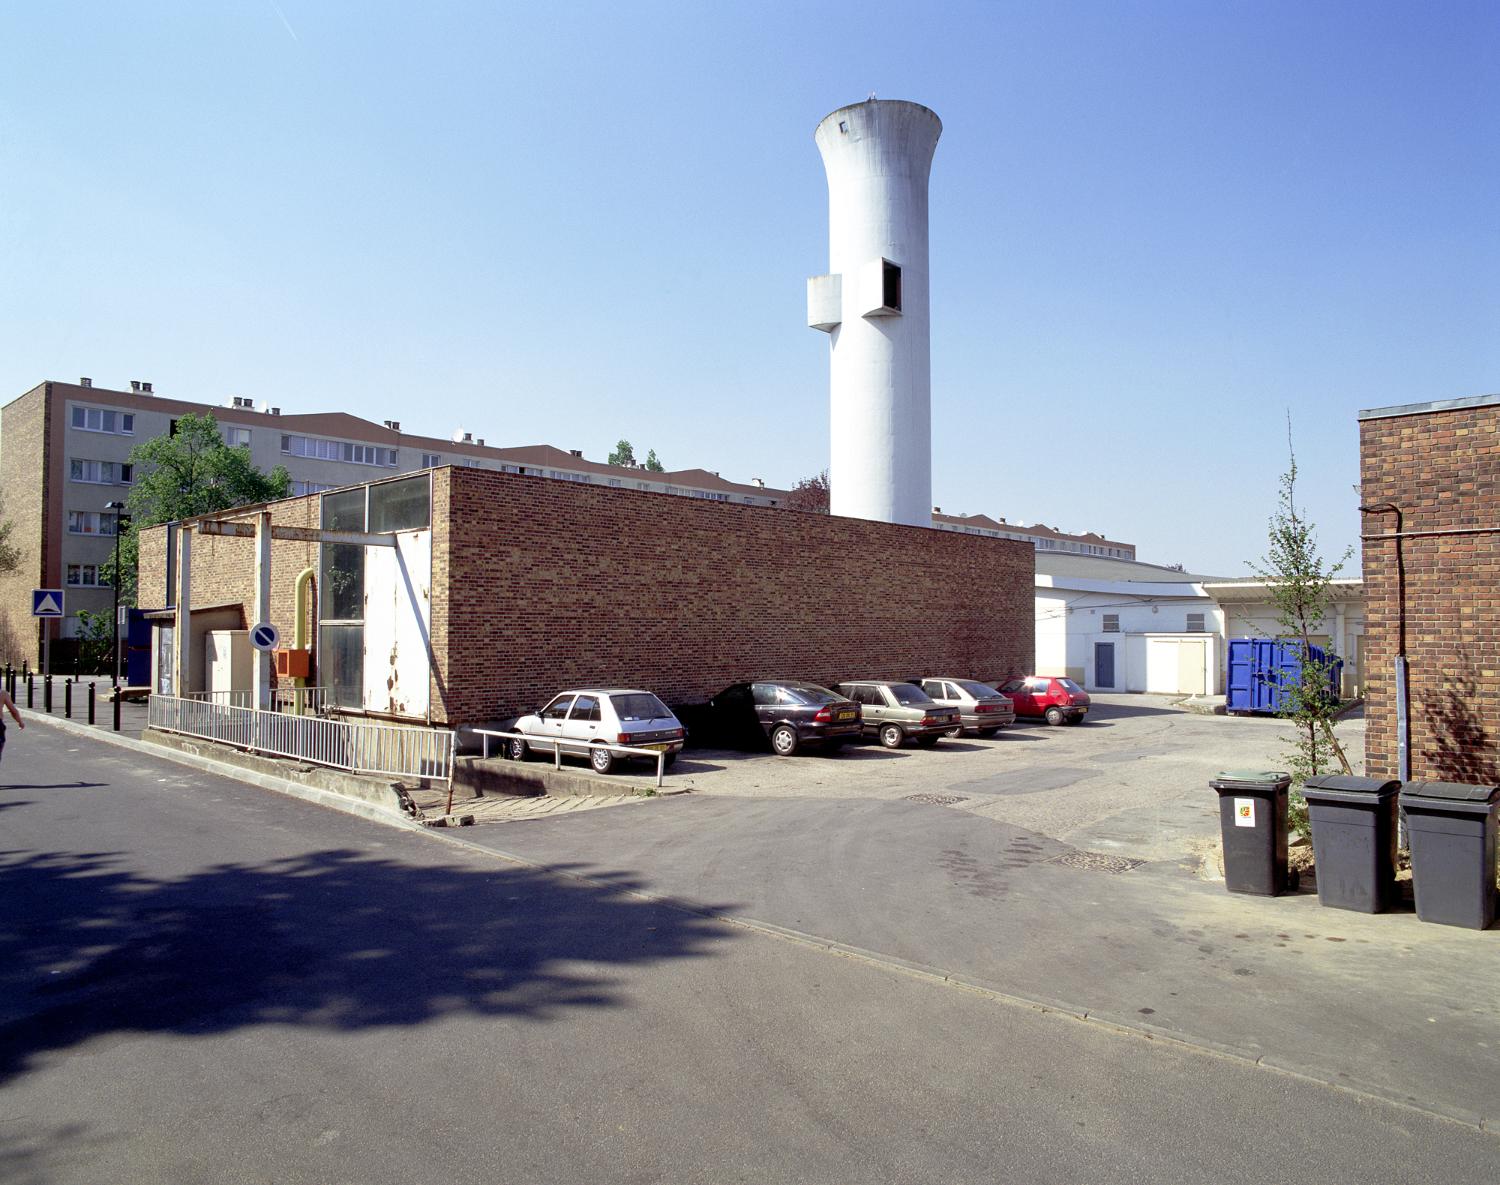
{"points": [[1417, 409]]}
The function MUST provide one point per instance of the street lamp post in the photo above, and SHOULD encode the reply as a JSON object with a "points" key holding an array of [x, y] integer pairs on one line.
{"points": [[118, 508]]}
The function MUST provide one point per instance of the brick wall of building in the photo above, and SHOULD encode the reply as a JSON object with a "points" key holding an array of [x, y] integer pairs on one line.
{"points": [[549, 585], [1442, 469], [539, 585], [23, 435]]}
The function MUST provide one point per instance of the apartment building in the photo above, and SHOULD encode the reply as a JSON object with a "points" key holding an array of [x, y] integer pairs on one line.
{"points": [[1039, 535], [65, 456]]}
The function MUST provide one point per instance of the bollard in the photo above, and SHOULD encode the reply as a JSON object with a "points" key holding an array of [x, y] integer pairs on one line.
{"points": [[30, 690], [47, 693], [91, 703], [68, 700], [117, 711]]}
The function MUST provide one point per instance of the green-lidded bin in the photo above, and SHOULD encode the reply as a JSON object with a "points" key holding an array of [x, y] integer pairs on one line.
{"points": [[1354, 840], [1253, 823], [1451, 827]]}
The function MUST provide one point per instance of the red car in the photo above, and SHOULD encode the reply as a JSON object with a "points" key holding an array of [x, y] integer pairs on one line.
{"points": [[1054, 699]]}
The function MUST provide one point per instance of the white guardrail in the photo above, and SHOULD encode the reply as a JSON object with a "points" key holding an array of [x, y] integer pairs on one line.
{"points": [[356, 746], [298, 700], [557, 748]]}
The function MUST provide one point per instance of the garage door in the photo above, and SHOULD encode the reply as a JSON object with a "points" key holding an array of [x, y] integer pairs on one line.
{"points": [[1177, 666]]}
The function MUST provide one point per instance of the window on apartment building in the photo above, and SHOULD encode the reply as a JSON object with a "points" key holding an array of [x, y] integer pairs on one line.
{"points": [[1111, 623], [475, 463], [234, 437], [85, 576], [302, 488], [431, 460], [90, 522], [338, 450], [563, 475], [104, 419], [1195, 623], [108, 473]]}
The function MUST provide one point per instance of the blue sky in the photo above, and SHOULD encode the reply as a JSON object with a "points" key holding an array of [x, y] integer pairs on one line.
{"points": [[1157, 229]]}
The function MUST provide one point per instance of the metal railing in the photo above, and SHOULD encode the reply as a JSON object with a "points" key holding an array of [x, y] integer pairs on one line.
{"points": [[557, 748], [299, 701], [355, 746]]}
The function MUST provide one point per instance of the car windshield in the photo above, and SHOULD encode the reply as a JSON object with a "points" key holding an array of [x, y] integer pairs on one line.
{"points": [[909, 694], [811, 693], [640, 705], [977, 690], [1069, 686]]}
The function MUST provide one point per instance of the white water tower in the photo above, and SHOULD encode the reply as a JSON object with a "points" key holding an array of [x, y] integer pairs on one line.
{"points": [[873, 304]]}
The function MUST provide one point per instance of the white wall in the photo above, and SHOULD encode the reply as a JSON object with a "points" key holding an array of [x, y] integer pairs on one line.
{"points": [[398, 613]]}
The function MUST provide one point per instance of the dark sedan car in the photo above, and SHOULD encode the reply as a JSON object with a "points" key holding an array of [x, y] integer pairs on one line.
{"points": [[788, 713]]}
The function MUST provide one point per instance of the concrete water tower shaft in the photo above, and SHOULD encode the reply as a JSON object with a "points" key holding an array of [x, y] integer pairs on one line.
{"points": [[873, 304]]}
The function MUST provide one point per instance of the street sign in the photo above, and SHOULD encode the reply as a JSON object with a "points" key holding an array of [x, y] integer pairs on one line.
{"points": [[265, 636], [46, 602]]}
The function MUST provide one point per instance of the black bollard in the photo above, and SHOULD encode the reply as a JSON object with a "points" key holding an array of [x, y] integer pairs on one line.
{"points": [[91, 703], [30, 690], [47, 692], [117, 711], [68, 700]]}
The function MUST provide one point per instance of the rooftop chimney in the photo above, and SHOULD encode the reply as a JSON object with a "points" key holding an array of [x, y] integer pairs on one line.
{"points": [[480, 442], [468, 438], [85, 382], [576, 452], [276, 411], [937, 510], [135, 385], [393, 425]]}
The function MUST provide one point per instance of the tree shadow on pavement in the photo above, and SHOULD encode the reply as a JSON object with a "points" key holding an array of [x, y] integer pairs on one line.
{"points": [[331, 939]]}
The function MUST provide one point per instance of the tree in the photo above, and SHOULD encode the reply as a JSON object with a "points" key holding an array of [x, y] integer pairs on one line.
{"points": [[1300, 583], [811, 493], [623, 455], [188, 473], [652, 464], [10, 554]]}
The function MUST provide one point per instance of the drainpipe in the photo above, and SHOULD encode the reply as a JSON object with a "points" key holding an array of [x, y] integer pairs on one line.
{"points": [[1403, 705]]}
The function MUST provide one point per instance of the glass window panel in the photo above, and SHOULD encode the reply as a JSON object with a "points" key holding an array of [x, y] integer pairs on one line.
{"points": [[401, 505], [341, 663], [344, 511], [343, 577]]}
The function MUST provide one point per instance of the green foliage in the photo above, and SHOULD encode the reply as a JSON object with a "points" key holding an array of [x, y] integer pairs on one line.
{"points": [[624, 455], [10, 554], [188, 473], [652, 464], [96, 639], [1300, 584]]}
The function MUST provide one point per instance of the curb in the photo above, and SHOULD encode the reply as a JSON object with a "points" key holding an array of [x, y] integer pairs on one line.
{"points": [[312, 794], [1122, 1026]]}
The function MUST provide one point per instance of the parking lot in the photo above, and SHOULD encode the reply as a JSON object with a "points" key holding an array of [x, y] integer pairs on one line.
{"points": [[1131, 779]]}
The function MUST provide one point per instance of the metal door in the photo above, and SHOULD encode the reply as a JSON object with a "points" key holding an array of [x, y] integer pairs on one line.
{"points": [[1104, 664]]}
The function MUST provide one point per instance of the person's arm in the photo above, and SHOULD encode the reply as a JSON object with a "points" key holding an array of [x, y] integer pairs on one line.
{"points": [[10, 706]]}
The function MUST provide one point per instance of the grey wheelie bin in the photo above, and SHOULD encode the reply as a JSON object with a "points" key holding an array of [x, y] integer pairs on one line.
{"points": [[1452, 832], [1252, 819], [1354, 840]]}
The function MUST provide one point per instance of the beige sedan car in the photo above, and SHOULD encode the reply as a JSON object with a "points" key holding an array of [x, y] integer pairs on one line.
{"points": [[981, 708], [897, 712]]}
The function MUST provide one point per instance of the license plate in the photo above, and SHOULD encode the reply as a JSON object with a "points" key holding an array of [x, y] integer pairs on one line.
{"points": [[844, 716], [661, 748]]}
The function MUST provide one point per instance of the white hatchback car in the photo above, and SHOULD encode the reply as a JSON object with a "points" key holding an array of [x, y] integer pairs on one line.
{"points": [[585, 720]]}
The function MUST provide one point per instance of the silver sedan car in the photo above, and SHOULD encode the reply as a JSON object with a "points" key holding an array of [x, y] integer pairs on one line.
{"points": [[981, 709]]}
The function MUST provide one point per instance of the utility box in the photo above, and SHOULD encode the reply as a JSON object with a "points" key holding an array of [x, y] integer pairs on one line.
{"points": [[1259, 668], [228, 663], [292, 664]]}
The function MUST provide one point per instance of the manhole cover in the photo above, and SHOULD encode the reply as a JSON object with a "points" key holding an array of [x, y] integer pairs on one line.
{"points": [[936, 799], [1096, 861]]}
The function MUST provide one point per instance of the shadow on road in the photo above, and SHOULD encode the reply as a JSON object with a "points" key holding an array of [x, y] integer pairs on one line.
{"points": [[332, 939]]}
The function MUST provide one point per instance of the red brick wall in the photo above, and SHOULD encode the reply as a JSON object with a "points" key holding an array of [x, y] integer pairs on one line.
{"points": [[539, 585], [551, 584], [23, 453], [1442, 468]]}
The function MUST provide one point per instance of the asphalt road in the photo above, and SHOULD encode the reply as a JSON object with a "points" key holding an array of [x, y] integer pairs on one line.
{"points": [[202, 981]]}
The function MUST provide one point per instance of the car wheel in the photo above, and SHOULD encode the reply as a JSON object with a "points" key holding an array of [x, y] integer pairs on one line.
{"points": [[517, 749], [601, 759], [783, 740], [891, 736], [668, 760], [955, 732], [927, 742], [1055, 716]]}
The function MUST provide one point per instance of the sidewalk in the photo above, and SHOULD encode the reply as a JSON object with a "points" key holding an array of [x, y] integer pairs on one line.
{"points": [[132, 712]]}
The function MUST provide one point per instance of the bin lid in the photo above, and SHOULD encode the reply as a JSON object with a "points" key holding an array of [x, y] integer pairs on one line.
{"points": [[1451, 791], [1348, 788], [1251, 779]]}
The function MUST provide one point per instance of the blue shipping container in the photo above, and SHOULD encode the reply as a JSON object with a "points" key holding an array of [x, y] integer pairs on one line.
{"points": [[1260, 667]]}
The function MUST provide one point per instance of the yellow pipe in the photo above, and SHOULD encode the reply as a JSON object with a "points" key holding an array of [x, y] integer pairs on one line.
{"points": [[302, 598]]}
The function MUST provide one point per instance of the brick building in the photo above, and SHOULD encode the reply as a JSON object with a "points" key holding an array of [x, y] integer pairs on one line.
{"points": [[502, 589], [1430, 489]]}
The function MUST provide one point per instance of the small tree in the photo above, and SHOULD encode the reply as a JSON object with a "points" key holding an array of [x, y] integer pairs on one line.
{"points": [[1300, 583], [811, 493], [624, 455], [10, 554], [96, 641], [652, 464], [188, 473]]}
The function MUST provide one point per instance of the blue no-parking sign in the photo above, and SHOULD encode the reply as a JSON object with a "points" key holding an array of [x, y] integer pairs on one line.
{"points": [[265, 636], [46, 602]]}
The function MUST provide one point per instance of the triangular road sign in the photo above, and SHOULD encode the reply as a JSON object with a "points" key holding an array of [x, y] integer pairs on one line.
{"points": [[46, 602]]}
